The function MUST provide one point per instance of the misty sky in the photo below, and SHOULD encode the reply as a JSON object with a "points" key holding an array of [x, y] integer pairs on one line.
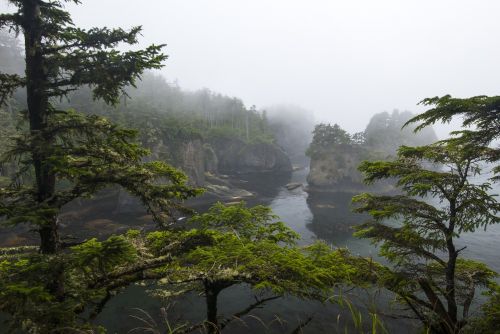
{"points": [[343, 60]]}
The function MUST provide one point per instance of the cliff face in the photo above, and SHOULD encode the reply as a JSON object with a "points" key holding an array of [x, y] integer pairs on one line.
{"points": [[187, 154], [197, 157], [206, 162], [192, 161], [336, 170], [236, 156]]}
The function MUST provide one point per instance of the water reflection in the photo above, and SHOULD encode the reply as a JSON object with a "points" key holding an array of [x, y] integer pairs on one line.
{"points": [[332, 216]]}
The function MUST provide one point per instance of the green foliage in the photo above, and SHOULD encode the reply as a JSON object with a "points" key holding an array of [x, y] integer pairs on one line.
{"points": [[488, 321], [328, 138], [436, 206], [46, 294], [104, 255], [248, 246], [480, 121], [90, 154], [63, 293], [256, 223], [480, 127], [7, 130], [64, 154]]}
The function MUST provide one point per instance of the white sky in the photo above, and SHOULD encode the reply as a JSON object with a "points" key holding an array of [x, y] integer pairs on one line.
{"points": [[343, 60]]}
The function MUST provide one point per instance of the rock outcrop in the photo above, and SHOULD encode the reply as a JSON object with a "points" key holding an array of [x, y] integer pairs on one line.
{"points": [[236, 156], [197, 157], [192, 161], [335, 154], [336, 170]]}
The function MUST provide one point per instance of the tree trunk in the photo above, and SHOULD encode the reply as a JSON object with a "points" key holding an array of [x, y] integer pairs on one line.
{"points": [[49, 238], [37, 99], [211, 294], [450, 271]]}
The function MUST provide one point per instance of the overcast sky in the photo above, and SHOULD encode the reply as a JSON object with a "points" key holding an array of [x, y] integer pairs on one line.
{"points": [[343, 60]]}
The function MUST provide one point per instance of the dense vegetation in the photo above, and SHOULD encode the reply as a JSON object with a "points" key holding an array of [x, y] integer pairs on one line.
{"points": [[164, 109], [68, 150], [331, 138], [64, 125]]}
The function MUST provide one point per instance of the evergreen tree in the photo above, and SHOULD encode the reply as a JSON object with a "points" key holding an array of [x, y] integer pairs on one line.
{"points": [[249, 246], [72, 155], [435, 208], [480, 116]]}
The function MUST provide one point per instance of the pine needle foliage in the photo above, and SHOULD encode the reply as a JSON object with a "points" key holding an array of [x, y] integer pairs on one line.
{"points": [[418, 229], [67, 154], [249, 246]]}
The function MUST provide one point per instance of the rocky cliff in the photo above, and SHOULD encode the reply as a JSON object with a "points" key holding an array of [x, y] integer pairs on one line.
{"points": [[336, 169], [204, 163], [198, 157], [236, 156]]}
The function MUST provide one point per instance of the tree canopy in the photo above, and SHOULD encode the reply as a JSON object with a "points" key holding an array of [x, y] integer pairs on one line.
{"points": [[437, 205], [480, 120], [70, 154]]}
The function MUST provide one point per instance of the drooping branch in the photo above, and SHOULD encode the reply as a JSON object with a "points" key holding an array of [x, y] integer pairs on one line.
{"points": [[107, 72], [397, 239], [94, 38], [10, 20], [8, 84]]}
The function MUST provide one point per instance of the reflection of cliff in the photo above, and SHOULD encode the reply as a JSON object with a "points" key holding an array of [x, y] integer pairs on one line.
{"points": [[336, 154], [332, 215]]}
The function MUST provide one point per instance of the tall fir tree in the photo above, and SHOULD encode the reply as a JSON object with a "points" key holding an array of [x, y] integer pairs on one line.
{"points": [[418, 229], [72, 155]]}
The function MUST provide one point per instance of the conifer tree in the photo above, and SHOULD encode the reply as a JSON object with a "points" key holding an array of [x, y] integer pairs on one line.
{"points": [[69, 154], [249, 246], [437, 205], [480, 117]]}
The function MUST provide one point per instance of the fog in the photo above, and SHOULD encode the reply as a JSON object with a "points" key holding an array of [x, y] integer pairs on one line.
{"points": [[342, 60]]}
